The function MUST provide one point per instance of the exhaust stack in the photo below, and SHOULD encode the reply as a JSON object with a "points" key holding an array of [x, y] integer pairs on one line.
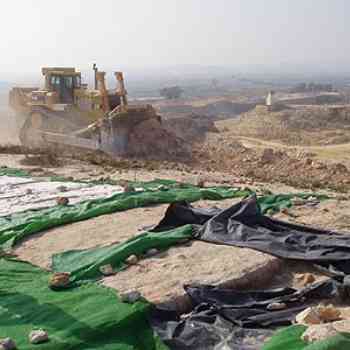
{"points": [[100, 76]]}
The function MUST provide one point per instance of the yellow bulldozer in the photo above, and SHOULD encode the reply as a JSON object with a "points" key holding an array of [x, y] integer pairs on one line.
{"points": [[66, 112]]}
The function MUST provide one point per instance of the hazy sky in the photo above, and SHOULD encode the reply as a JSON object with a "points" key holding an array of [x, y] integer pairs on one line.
{"points": [[141, 33]]}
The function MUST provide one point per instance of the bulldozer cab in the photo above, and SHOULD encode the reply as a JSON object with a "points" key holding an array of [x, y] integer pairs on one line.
{"points": [[62, 81]]}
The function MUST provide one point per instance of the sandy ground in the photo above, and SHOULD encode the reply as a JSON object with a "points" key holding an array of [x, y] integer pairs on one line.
{"points": [[183, 264], [197, 262]]}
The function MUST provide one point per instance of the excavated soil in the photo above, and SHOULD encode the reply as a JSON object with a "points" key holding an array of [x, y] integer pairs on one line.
{"points": [[297, 168], [297, 125]]}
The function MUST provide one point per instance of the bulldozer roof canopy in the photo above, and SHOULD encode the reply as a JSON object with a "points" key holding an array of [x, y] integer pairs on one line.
{"points": [[59, 71]]}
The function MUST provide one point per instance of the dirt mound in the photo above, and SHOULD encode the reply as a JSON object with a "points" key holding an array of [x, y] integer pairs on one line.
{"points": [[192, 128], [311, 125], [150, 139], [295, 168]]}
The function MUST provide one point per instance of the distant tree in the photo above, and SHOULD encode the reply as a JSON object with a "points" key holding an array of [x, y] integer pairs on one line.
{"points": [[171, 92]]}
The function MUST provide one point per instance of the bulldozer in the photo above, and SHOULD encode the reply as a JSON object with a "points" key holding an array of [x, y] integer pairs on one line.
{"points": [[65, 112]]}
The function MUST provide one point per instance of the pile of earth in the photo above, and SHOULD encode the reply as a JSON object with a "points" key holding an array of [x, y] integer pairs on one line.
{"points": [[191, 128], [306, 125], [152, 140], [294, 168]]}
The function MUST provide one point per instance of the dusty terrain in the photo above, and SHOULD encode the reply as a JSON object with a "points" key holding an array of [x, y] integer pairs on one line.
{"points": [[195, 262], [226, 155]]}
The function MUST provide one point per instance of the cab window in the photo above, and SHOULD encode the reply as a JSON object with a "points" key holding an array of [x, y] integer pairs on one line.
{"points": [[77, 84], [68, 82], [55, 80]]}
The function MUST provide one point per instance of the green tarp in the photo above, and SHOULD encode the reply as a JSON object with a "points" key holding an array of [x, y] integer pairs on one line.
{"points": [[4, 171], [15, 227], [274, 203], [85, 264], [290, 339], [89, 317]]}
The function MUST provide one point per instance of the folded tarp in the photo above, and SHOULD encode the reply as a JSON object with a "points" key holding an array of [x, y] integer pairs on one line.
{"points": [[225, 319], [290, 339], [89, 317]]}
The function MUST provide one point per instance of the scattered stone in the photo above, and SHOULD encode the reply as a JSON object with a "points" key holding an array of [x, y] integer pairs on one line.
{"points": [[318, 165], [59, 280], [308, 161], [29, 191], [107, 270], [267, 155], [131, 297], [200, 182], [308, 317], [7, 344], [276, 306], [318, 333], [38, 336], [62, 201], [328, 313], [132, 260], [318, 314], [306, 279]]}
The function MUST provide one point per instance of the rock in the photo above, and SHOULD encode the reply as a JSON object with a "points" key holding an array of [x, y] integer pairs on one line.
{"points": [[318, 314], [107, 270], [328, 313], [308, 161], [276, 306], [59, 280], [319, 332], [62, 188], [7, 344], [29, 191], [318, 165], [308, 317], [132, 260], [131, 297], [306, 278], [267, 155], [62, 201], [200, 182], [38, 336]]}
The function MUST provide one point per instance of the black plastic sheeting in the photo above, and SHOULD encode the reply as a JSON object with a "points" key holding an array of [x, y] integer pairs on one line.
{"points": [[243, 225], [228, 319]]}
